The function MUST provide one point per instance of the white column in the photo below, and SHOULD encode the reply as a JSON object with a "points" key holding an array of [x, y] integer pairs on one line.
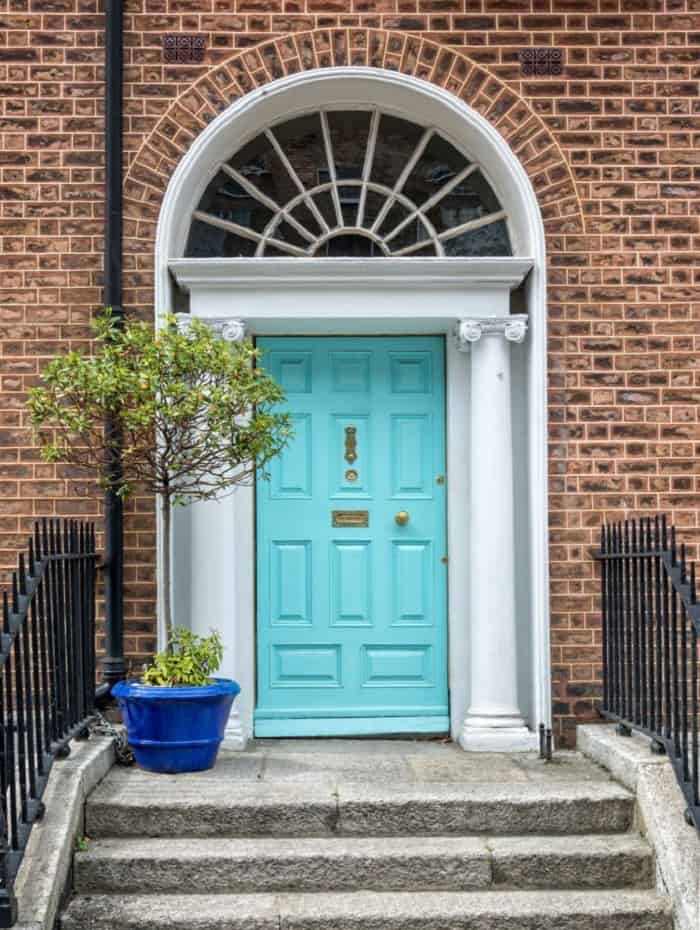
{"points": [[493, 722]]}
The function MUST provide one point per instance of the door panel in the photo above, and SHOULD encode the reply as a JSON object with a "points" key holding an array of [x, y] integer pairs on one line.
{"points": [[291, 473], [352, 625], [290, 581]]}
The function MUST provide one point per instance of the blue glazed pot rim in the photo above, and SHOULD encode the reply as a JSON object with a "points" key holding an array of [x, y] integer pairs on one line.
{"points": [[136, 689]]}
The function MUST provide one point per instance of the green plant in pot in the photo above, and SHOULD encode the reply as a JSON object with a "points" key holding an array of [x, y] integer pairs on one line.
{"points": [[192, 416]]}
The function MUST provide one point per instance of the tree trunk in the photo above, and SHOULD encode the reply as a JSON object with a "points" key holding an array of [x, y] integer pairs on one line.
{"points": [[167, 606]]}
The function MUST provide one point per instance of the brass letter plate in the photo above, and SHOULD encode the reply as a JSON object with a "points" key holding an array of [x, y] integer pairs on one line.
{"points": [[350, 518]]}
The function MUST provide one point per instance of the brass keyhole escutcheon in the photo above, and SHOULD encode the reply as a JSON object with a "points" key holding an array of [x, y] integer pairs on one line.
{"points": [[351, 475], [402, 517]]}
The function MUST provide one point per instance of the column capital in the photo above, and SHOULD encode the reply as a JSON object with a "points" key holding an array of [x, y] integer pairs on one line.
{"points": [[230, 329], [471, 329]]}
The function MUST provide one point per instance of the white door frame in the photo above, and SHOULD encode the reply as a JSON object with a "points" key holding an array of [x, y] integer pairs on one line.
{"points": [[215, 542], [409, 295]]}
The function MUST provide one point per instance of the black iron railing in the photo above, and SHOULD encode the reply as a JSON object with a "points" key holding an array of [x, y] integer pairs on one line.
{"points": [[651, 625], [47, 678]]}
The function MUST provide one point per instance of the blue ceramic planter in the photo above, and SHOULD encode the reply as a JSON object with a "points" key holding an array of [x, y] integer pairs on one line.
{"points": [[175, 729]]}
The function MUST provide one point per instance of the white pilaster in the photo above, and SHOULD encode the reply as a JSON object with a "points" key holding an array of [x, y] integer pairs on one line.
{"points": [[214, 588], [493, 722]]}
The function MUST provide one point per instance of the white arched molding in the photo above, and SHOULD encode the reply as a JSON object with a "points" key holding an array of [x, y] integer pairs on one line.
{"points": [[290, 295]]}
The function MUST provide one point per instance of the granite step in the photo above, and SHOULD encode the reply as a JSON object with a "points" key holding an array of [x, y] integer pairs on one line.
{"points": [[488, 910], [183, 809], [242, 866]]}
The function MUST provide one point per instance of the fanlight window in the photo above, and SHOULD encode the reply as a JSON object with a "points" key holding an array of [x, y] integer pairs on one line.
{"points": [[348, 183]]}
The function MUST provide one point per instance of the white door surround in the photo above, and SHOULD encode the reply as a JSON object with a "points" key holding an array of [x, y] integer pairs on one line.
{"points": [[497, 502]]}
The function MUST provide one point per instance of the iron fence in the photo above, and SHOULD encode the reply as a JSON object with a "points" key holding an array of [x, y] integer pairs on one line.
{"points": [[650, 626], [47, 678]]}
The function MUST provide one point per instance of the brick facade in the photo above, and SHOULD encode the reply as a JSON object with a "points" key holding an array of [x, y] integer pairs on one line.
{"points": [[611, 147]]}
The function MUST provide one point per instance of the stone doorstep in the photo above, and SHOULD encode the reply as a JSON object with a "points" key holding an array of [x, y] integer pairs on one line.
{"points": [[514, 910], [660, 812], [380, 864], [474, 840], [358, 810]]}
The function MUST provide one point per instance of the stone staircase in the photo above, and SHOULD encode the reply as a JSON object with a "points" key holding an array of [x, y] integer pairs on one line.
{"points": [[335, 848]]}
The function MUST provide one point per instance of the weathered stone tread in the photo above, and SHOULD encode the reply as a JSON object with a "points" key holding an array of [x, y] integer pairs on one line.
{"points": [[522, 910], [353, 863], [352, 809]]}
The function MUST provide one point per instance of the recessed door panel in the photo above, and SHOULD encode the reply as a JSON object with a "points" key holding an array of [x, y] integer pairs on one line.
{"points": [[306, 666], [290, 582], [350, 372], [411, 455], [411, 372], [397, 666], [351, 534], [291, 370], [351, 582], [412, 576], [291, 473]]}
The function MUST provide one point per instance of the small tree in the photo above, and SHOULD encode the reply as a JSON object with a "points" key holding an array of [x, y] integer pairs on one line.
{"points": [[193, 417]]}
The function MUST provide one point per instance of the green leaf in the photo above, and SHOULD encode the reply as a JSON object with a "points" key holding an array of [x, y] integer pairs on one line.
{"points": [[188, 660], [196, 414]]}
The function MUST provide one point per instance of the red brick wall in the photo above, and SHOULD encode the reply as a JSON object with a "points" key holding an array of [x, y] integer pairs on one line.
{"points": [[611, 147]]}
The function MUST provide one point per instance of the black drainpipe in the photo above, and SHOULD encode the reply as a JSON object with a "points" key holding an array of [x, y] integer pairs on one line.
{"points": [[113, 662]]}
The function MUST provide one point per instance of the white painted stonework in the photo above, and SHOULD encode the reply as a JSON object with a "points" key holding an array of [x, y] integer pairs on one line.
{"points": [[498, 621]]}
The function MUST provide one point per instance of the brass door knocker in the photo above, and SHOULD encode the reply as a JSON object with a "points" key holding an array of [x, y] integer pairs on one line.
{"points": [[350, 444]]}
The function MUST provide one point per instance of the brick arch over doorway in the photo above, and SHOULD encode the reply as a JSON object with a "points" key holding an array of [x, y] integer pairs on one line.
{"points": [[197, 105]]}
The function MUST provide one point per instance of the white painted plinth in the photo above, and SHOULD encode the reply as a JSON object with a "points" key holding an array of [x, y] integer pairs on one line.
{"points": [[497, 739], [235, 736]]}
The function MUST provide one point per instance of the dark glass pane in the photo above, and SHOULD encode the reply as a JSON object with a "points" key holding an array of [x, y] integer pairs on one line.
{"points": [[414, 232], [302, 214], [260, 165], [477, 184], [392, 219], [373, 204], [225, 199], [301, 141], [286, 233], [349, 194], [349, 211], [396, 142], [349, 130], [438, 164], [207, 241], [351, 246], [488, 240], [324, 202], [468, 201]]}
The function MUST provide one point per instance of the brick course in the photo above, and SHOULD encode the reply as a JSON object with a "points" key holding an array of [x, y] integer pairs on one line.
{"points": [[611, 147]]}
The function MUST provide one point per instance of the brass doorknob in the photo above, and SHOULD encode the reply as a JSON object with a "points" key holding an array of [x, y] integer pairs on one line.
{"points": [[402, 517]]}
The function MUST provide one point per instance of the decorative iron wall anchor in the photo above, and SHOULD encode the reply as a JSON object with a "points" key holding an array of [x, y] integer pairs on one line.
{"points": [[542, 61], [184, 49]]}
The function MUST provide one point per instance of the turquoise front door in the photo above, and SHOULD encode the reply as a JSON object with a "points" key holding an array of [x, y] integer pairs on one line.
{"points": [[351, 541]]}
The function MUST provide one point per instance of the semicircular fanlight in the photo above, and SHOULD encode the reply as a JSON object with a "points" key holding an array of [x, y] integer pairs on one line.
{"points": [[348, 183]]}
